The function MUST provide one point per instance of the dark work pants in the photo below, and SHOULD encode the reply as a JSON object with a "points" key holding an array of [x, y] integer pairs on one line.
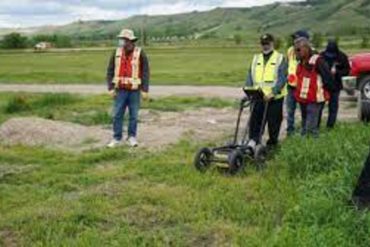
{"points": [[362, 190], [274, 118], [333, 110]]}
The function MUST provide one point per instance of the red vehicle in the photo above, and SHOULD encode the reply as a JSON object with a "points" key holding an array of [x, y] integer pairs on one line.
{"points": [[360, 79]]}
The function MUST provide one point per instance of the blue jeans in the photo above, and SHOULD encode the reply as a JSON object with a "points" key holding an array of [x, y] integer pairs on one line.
{"points": [[123, 100], [291, 105], [310, 118]]}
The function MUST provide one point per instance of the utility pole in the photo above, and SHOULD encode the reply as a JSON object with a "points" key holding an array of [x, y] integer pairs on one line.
{"points": [[143, 31], [143, 27]]}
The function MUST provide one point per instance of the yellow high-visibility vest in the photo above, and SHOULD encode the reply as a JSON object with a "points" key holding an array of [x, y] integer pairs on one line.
{"points": [[265, 75], [292, 67], [134, 81]]}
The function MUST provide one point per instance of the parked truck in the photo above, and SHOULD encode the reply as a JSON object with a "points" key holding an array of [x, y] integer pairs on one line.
{"points": [[359, 80]]}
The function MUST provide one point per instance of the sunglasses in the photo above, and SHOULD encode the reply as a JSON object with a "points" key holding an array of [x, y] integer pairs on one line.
{"points": [[298, 50]]}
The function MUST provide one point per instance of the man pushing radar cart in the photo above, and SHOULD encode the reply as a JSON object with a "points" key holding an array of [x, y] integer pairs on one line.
{"points": [[265, 90]]}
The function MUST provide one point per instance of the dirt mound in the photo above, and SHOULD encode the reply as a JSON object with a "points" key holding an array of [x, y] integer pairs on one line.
{"points": [[54, 134], [156, 130]]}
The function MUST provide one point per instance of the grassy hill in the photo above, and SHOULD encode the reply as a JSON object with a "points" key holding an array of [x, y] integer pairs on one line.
{"points": [[331, 17]]}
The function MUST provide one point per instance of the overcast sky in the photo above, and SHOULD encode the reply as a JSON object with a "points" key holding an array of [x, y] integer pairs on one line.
{"points": [[25, 13]]}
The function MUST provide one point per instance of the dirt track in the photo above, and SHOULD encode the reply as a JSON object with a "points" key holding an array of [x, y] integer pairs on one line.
{"points": [[155, 91]]}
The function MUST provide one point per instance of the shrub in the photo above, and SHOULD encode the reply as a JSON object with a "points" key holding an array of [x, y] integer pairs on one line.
{"points": [[14, 41], [365, 42], [17, 104]]}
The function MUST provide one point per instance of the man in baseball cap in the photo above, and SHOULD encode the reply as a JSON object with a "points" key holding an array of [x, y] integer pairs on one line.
{"points": [[267, 73], [267, 38], [301, 34], [291, 103]]}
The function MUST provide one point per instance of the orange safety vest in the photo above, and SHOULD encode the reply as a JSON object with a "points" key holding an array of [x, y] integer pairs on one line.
{"points": [[127, 72], [310, 87]]}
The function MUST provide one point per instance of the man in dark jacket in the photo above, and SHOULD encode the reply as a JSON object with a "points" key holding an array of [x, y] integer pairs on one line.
{"points": [[339, 65]]}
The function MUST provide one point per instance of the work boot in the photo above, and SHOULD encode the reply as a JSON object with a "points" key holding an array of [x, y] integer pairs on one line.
{"points": [[114, 143], [251, 146], [132, 141]]}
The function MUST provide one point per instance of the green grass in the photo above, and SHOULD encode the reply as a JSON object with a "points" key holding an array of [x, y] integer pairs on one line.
{"points": [[177, 66], [197, 66], [122, 198], [89, 110]]}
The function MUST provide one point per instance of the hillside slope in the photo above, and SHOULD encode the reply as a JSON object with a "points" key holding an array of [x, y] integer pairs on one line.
{"points": [[326, 16], [331, 17]]}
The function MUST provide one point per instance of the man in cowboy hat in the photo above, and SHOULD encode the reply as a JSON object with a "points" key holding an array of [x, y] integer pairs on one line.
{"points": [[127, 81]]}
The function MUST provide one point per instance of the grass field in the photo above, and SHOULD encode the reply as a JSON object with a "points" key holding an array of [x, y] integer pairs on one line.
{"points": [[168, 66], [179, 66], [124, 198], [127, 197]]}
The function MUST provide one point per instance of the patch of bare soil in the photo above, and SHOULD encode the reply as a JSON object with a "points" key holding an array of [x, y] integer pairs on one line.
{"points": [[168, 127], [156, 129], [8, 238], [33, 131]]}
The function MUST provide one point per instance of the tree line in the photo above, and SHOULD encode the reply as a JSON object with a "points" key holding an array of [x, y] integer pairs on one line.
{"points": [[18, 41]]}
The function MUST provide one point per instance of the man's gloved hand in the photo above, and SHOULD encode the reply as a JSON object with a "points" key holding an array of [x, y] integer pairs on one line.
{"points": [[112, 93], [145, 95], [268, 97]]}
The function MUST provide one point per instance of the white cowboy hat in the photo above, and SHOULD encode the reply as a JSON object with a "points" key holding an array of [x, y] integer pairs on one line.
{"points": [[127, 34]]}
